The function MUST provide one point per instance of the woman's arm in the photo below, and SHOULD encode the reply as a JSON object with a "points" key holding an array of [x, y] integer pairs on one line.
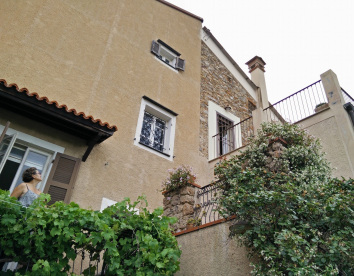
{"points": [[19, 190]]}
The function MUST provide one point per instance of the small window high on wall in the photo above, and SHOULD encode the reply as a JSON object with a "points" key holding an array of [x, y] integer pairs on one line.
{"points": [[167, 54]]}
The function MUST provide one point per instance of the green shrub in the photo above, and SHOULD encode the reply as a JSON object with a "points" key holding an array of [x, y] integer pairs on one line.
{"points": [[300, 219], [49, 237]]}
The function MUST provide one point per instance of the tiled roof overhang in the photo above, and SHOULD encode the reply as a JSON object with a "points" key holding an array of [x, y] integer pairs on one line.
{"points": [[41, 109]]}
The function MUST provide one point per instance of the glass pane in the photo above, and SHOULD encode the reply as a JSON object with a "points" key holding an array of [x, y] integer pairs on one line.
{"points": [[17, 153], [33, 159], [159, 134], [38, 160], [146, 129]]}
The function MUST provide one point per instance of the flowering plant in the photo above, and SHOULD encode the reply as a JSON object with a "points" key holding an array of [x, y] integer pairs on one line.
{"points": [[179, 177]]}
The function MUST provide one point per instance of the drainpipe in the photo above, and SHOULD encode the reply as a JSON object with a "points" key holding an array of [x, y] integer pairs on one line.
{"points": [[350, 109]]}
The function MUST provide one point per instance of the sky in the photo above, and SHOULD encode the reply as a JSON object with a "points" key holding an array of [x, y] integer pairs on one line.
{"points": [[298, 40]]}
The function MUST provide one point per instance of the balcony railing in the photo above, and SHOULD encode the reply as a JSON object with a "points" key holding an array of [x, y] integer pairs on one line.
{"points": [[347, 97], [233, 137], [297, 106], [206, 206]]}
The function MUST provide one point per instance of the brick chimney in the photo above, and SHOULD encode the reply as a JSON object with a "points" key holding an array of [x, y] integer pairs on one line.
{"points": [[256, 68]]}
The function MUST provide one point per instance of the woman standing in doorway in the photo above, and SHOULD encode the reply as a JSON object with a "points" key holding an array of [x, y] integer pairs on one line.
{"points": [[27, 191]]}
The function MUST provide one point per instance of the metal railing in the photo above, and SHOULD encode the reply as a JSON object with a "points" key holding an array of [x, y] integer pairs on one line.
{"points": [[233, 137], [347, 97], [206, 205], [298, 106], [84, 261]]}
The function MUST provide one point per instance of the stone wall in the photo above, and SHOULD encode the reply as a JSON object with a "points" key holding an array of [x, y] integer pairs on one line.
{"points": [[219, 85], [180, 204]]}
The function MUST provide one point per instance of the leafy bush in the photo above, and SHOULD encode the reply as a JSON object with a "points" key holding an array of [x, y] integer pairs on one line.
{"points": [[50, 237], [178, 178], [300, 219]]}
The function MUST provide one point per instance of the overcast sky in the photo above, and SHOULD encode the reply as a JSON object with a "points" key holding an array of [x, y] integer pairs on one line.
{"points": [[299, 40]]}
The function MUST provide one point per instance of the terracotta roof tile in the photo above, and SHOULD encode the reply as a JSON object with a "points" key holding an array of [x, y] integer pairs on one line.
{"points": [[63, 106]]}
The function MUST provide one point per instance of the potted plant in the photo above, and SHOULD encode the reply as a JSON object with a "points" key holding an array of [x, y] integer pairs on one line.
{"points": [[193, 222], [178, 178]]}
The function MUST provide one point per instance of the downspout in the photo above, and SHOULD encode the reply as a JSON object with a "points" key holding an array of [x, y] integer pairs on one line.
{"points": [[350, 109]]}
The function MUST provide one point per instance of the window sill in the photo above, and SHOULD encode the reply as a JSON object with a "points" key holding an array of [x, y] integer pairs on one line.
{"points": [[155, 149], [167, 65]]}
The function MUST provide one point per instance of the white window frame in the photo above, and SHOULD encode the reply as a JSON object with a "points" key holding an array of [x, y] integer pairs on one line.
{"points": [[170, 129], [37, 145], [213, 110]]}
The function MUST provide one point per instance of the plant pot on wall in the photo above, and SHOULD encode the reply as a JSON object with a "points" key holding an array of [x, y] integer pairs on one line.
{"points": [[189, 226]]}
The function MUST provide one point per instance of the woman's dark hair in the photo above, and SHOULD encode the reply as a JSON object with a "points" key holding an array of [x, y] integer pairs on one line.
{"points": [[27, 174]]}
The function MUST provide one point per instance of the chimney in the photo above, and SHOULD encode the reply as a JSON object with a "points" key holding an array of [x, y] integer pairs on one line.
{"points": [[256, 68]]}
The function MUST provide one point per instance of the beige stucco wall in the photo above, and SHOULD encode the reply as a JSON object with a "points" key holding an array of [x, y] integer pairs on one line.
{"points": [[324, 126], [94, 56], [210, 251]]}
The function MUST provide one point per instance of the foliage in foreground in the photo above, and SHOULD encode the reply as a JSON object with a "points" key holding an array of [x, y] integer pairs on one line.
{"points": [[300, 219], [49, 237]]}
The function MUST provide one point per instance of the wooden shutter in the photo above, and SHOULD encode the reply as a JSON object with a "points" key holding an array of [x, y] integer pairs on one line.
{"points": [[155, 48], [62, 178], [180, 63]]}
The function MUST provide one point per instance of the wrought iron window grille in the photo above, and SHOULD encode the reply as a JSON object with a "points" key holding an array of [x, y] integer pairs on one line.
{"points": [[153, 132]]}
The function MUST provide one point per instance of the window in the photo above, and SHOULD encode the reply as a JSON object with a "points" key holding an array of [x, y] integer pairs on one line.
{"points": [[18, 152], [168, 55], [223, 137], [155, 130]]}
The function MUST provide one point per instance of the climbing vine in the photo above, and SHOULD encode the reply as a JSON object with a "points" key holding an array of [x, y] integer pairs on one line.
{"points": [[48, 238], [299, 219]]}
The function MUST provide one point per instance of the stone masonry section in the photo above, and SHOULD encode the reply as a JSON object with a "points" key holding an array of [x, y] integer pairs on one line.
{"points": [[220, 86], [179, 204]]}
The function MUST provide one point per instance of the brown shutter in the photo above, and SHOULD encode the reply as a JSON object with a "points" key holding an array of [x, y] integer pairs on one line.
{"points": [[180, 64], [155, 48], [62, 178]]}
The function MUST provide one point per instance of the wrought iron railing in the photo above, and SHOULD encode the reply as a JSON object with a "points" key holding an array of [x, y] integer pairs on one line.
{"points": [[297, 106], [347, 97], [206, 204], [233, 137], [83, 261]]}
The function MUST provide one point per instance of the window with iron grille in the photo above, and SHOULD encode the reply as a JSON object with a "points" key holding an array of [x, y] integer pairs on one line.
{"points": [[153, 132], [156, 128], [226, 139]]}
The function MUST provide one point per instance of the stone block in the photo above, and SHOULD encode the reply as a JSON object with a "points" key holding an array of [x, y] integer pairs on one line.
{"points": [[187, 199], [187, 209], [175, 200]]}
